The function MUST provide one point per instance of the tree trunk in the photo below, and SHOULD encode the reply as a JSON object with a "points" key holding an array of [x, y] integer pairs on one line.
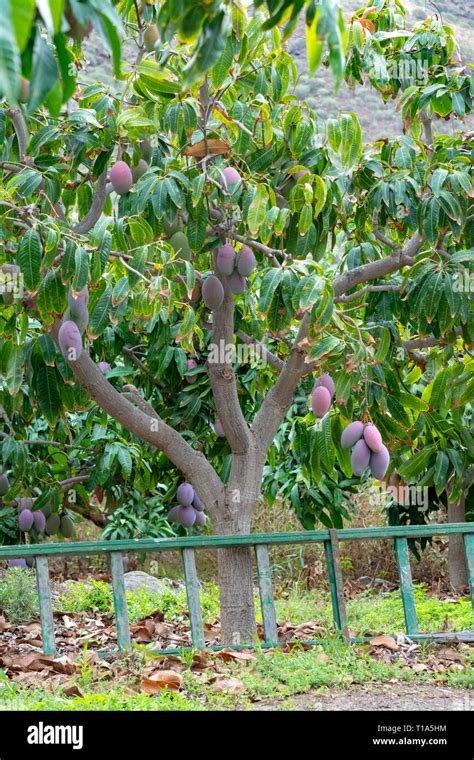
{"points": [[456, 554], [238, 625], [236, 507], [235, 569]]}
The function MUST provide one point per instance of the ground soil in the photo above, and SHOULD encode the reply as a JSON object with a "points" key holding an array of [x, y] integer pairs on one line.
{"points": [[378, 697]]}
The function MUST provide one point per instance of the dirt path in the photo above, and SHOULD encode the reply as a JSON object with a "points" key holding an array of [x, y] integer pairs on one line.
{"points": [[378, 697]]}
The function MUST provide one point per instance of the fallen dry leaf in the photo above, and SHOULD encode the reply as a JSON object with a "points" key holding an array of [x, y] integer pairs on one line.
{"points": [[230, 655], [205, 148], [162, 679], [322, 657], [385, 641], [232, 685]]}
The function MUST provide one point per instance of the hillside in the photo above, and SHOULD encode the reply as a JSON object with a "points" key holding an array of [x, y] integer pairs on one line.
{"points": [[377, 119]]}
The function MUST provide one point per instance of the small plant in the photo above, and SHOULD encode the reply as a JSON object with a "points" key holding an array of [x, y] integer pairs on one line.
{"points": [[18, 597], [93, 596]]}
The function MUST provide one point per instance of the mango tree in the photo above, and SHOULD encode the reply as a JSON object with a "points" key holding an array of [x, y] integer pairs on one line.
{"points": [[158, 232]]}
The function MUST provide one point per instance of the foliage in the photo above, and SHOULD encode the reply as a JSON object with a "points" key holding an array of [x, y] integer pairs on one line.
{"points": [[358, 205], [18, 596], [373, 612], [96, 596]]}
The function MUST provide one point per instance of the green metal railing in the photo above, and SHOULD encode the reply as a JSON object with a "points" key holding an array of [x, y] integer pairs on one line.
{"points": [[261, 543]]}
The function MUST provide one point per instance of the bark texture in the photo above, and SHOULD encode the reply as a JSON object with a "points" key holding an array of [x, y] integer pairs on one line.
{"points": [[456, 553]]}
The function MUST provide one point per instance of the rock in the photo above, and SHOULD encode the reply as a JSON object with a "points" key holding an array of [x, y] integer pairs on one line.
{"points": [[136, 579]]}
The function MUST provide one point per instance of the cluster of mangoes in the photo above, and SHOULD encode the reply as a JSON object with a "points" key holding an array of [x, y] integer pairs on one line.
{"points": [[367, 447], [75, 321], [190, 510], [42, 520], [322, 395], [235, 267]]}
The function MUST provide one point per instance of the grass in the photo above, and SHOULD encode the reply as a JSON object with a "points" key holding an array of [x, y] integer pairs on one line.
{"points": [[96, 596], [272, 675], [372, 611], [98, 698]]}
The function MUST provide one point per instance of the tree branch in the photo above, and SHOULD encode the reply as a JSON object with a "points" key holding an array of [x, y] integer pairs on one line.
{"points": [[368, 289], [429, 342], [266, 355], [19, 125], [278, 400], [385, 240], [373, 270], [222, 376], [96, 209], [192, 464], [427, 129], [138, 363]]}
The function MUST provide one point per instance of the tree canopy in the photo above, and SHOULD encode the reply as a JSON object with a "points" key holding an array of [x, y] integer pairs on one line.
{"points": [[363, 260]]}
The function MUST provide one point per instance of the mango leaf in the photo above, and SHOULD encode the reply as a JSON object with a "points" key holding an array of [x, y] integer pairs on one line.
{"points": [[9, 54], [48, 393], [29, 259], [14, 372], [81, 269], [414, 466], [351, 140], [269, 285], [45, 73], [320, 194], [314, 44], [257, 210], [99, 319], [328, 345], [334, 135], [441, 471], [23, 14]]}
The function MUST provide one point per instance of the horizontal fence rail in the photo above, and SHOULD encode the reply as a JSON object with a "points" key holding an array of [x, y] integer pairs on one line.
{"points": [[261, 543]]}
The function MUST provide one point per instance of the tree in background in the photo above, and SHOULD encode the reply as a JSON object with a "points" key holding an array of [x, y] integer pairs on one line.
{"points": [[158, 233]]}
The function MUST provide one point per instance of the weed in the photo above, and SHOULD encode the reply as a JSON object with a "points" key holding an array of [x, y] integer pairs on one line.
{"points": [[18, 596]]}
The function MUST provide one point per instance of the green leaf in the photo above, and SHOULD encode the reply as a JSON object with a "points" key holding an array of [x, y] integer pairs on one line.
{"points": [[326, 346], [320, 194], [52, 297], [310, 292], [314, 44], [51, 12], [23, 13], [100, 315], [29, 260], [441, 471], [9, 55], [413, 402], [333, 132], [351, 140], [257, 211], [125, 460], [384, 345], [269, 285], [411, 468], [48, 393], [81, 271], [438, 391], [14, 372], [431, 220], [45, 73]]}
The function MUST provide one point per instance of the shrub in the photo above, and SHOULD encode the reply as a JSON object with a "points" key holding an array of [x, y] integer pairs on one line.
{"points": [[18, 597]]}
